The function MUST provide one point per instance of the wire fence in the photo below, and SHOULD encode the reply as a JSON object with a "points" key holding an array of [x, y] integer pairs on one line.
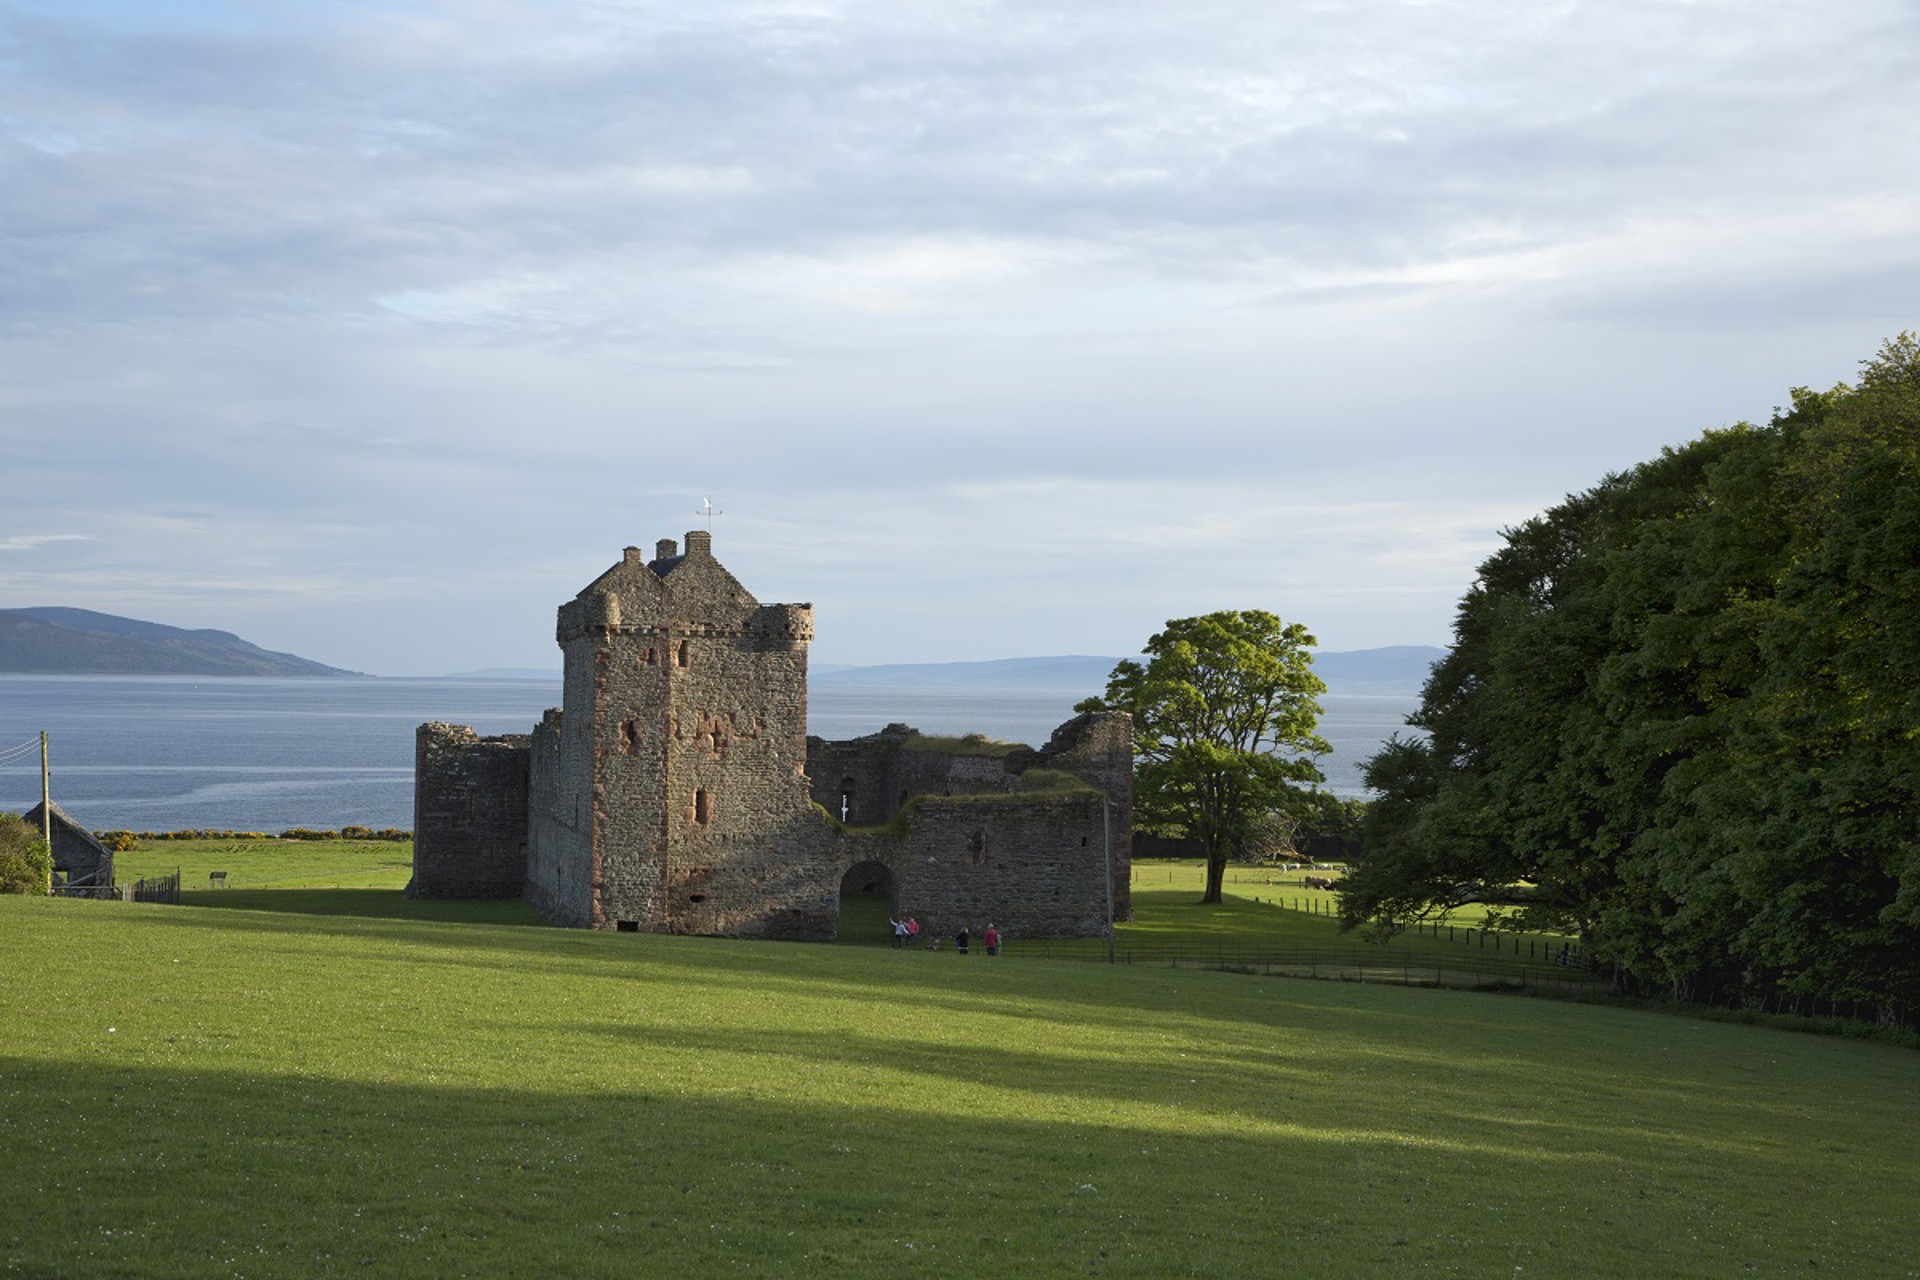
{"points": [[147, 889], [156, 889], [1359, 963]]}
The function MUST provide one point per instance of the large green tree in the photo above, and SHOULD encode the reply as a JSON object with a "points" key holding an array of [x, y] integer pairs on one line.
{"points": [[1681, 715], [1224, 715]]}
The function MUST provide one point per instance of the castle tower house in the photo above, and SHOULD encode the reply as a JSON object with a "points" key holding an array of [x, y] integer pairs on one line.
{"points": [[679, 754]]}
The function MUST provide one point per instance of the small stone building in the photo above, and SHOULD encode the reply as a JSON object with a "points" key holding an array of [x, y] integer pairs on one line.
{"points": [[676, 789], [79, 860]]}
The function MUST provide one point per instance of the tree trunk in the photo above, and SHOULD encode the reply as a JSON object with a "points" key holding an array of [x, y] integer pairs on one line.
{"points": [[1216, 875]]}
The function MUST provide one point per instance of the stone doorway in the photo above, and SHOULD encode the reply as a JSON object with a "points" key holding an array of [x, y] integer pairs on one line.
{"points": [[869, 898]]}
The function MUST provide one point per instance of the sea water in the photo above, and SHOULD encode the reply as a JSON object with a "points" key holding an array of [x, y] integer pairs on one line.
{"points": [[168, 753]]}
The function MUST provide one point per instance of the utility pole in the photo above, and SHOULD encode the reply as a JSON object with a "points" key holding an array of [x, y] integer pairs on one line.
{"points": [[46, 796]]}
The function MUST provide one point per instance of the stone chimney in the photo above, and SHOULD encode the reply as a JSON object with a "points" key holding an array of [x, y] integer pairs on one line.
{"points": [[631, 555], [665, 549], [699, 543]]}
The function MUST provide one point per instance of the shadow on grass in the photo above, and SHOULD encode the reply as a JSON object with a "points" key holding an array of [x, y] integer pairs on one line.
{"points": [[808, 1163], [405, 1180], [487, 1100], [371, 904]]}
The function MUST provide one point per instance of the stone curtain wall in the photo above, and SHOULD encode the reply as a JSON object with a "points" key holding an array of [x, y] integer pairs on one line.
{"points": [[1097, 748], [879, 773], [1030, 864], [469, 814], [1032, 854], [559, 830]]}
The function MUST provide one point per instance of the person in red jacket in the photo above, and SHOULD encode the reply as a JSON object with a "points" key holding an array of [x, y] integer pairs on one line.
{"points": [[992, 938]]}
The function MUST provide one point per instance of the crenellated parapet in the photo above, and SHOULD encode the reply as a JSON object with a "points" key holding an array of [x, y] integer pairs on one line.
{"points": [[782, 626]]}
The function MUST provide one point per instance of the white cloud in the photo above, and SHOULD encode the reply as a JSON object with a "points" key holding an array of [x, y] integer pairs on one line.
{"points": [[34, 541], [1023, 326]]}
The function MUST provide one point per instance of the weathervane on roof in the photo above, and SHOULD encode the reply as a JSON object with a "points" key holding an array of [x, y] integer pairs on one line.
{"points": [[706, 509]]}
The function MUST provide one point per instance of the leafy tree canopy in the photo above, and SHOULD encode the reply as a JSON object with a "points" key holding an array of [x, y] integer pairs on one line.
{"points": [[1224, 716], [26, 864], [1681, 715]]}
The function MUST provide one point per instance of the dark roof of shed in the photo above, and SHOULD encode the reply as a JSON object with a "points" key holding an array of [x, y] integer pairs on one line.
{"points": [[60, 816]]}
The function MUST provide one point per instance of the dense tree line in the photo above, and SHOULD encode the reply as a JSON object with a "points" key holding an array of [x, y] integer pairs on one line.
{"points": [[1681, 715]]}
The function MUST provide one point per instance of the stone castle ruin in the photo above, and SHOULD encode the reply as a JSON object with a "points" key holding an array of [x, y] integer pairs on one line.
{"points": [[677, 791]]}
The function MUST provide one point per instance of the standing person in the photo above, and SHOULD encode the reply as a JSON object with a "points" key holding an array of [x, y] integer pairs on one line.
{"points": [[913, 930], [960, 940], [992, 938], [899, 932]]}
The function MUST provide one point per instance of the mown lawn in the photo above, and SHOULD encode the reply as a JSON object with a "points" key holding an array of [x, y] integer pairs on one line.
{"points": [[189, 1092], [1269, 916], [271, 864], [1266, 909]]}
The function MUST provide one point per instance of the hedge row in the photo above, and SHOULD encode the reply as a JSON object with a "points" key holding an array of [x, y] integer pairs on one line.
{"points": [[121, 841]]}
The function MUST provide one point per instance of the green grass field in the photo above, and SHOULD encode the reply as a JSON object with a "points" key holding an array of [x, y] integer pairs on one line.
{"points": [[271, 864], [187, 1091], [1268, 920], [1267, 913]]}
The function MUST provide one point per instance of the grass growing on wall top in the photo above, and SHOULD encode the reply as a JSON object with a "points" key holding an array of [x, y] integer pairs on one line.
{"points": [[1054, 782], [276, 1095], [894, 826], [973, 744]]}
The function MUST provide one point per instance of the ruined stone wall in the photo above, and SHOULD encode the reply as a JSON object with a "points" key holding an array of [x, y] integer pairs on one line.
{"points": [[873, 777], [853, 780], [1032, 865], [562, 866], [973, 845], [944, 773], [1097, 748], [469, 813], [559, 876], [1029, 863], [785, 884]]}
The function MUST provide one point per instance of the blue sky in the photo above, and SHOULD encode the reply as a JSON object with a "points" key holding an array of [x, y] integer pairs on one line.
{"points": [[375, 331]]}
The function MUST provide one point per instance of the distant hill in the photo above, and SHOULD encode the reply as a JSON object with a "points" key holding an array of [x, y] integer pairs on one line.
{"points": [[1076, 672], [56, 641], [1396, 669]]}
